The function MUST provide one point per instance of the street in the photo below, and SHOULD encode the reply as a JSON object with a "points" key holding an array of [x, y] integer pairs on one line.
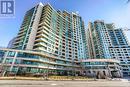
{"points": [[33, 83]]}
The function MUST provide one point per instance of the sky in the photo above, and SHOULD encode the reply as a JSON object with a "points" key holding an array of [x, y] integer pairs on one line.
{"points": [[111, 11]]}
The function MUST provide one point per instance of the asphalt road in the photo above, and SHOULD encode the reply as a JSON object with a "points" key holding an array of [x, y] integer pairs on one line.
{"points": [[27, 83]]}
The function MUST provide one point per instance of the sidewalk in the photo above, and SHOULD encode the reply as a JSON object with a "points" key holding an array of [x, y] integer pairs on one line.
{"points": [[44, 79]]}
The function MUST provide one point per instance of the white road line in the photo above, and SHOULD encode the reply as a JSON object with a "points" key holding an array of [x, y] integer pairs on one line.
{"points": [[53, 84]]}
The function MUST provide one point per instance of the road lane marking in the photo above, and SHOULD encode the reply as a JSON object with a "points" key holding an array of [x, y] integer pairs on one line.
{"points": [[53, 84]]}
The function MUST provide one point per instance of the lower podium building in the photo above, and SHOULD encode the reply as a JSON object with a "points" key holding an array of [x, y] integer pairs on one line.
{"points": [[25, 62], [102, 68]]}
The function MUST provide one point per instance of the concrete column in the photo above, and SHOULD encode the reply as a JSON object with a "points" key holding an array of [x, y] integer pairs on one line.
{"points": [[13, 61], [3, 63]]}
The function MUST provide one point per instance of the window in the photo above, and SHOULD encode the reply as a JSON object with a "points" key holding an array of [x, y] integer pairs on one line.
{"points": [[9, 60], [27, 55], [17, 61], [11, 54], [2, 53]]}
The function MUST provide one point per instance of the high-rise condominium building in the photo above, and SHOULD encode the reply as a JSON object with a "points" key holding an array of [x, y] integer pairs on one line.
{"points": [[120, 48], [59, 33], [56, 40], [106, 41]]}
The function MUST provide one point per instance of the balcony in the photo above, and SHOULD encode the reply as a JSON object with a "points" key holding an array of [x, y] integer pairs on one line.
{"points": [[40, 44], [43, 32], [21, 34], [41, 48], [41, 40], [41, 36]]}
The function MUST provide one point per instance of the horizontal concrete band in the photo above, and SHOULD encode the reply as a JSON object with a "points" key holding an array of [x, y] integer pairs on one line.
{"points": [[101, 60]]}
